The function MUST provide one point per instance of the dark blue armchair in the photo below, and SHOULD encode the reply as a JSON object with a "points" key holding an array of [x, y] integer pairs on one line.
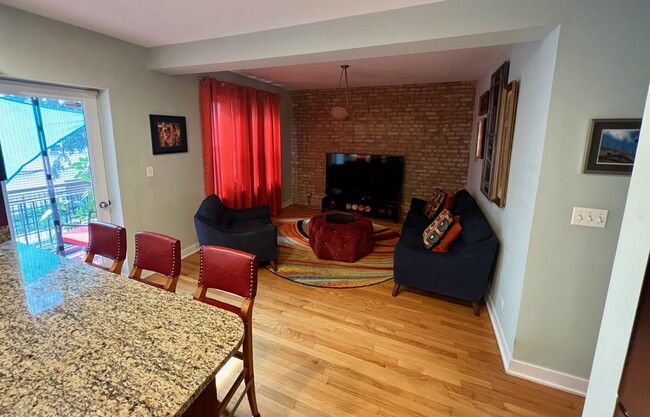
{"points": [[249, 230]]}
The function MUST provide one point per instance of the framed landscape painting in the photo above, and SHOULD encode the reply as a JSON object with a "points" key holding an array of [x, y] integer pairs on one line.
{"points": [[612, 146]]}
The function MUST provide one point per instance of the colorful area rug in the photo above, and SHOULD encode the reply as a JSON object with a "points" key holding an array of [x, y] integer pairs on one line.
{"points": [[297, 262]]}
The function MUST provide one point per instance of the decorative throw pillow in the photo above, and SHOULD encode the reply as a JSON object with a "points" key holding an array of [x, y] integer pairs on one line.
{"points": [[437, 229], [449, 201], [435, 202], [449, 237]]}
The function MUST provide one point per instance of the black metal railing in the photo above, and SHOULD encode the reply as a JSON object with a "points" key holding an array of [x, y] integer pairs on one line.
{"points": [[29, 211]]}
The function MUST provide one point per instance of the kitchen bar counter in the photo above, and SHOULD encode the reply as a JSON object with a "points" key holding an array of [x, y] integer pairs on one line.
{"points": [[79, 341]]}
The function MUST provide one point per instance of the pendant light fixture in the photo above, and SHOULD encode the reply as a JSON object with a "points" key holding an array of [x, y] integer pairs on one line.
{"points": [[339, 112]]}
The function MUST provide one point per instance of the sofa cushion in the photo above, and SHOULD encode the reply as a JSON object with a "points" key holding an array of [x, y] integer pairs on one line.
{"points": [[475, 227], [433, 234], [449, 237], [415, 218], [248, 224], [435, 202]]}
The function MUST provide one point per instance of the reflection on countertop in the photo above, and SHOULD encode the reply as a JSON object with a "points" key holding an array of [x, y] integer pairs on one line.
{"points": [[42, 289], [77, 341]]}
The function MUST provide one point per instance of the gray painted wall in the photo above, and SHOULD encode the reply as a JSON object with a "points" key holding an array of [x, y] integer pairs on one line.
{"points": [[532, 64], [602, 71], [625, 285], [35, 48]]}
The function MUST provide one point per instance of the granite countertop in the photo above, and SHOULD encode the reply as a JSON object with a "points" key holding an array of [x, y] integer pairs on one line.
{"points": [[5, 234], [79, 341]]}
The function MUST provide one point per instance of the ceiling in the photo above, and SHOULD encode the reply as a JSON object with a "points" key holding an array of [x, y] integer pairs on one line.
{"points": [[164, 22], [152, 23], [440, 66]]}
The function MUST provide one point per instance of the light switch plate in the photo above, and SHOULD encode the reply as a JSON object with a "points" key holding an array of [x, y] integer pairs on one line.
{"points": [[149, 172], [589, 217]]}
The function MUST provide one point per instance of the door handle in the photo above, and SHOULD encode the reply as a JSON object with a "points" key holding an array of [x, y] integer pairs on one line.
{"points": [[104, 204]]}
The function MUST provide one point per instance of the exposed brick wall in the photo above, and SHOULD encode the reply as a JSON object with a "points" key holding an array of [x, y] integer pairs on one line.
{"points": [[429, 124]]}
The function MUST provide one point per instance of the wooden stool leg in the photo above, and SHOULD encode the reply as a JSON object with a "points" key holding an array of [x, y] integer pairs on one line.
{"points": [[249, 379]]}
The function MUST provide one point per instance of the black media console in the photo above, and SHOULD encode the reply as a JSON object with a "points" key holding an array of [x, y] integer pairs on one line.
{"points": [[368, 207], [363, 183]]}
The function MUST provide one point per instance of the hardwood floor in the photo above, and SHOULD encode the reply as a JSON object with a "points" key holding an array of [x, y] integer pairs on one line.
{"points": [[360, 352]]}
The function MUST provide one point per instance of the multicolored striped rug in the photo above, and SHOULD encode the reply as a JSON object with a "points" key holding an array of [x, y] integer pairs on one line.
{"points": [[297, 262]]}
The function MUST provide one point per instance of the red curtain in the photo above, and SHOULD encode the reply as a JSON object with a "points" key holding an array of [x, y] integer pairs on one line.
{"points": [[241, 144]]}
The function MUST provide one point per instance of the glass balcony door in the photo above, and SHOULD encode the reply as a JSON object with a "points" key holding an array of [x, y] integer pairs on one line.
{"points": [[55, 171]]}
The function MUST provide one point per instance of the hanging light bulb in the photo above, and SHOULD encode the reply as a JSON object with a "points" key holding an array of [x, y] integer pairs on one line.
{"points": [[339, 112]]}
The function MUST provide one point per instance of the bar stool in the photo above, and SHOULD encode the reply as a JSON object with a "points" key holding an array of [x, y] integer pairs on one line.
{"points": [[106, 240], [157, 253], [235, 272]]}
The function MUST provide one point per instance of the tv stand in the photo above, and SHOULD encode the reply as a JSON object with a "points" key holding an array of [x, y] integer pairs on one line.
{"points": [[366, 206]]}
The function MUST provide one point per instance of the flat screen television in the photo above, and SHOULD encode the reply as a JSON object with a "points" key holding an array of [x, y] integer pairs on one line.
{"points": [[364, 177]]}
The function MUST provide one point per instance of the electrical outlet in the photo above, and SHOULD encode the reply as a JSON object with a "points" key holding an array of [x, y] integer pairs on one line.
{"points": [[149, 172], [589, 217]]}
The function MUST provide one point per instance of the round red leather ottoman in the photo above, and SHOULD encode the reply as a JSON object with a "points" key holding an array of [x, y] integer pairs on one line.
{"points": [[341, 236]]}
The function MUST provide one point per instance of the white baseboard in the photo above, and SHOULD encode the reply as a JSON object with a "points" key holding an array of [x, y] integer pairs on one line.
{"points": [[190, 250], [549, 377], [287, 203], [535, 373], [506, 356]]}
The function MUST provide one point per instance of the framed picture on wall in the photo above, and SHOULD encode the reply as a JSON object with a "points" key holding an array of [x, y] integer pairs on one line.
{"points": [[498, 82], [611, 146], [484, 103], [480, 137], [504, 142], [168, 134]]}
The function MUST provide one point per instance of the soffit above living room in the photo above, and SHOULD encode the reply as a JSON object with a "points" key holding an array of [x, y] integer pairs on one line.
{"points": [[425, 43]]}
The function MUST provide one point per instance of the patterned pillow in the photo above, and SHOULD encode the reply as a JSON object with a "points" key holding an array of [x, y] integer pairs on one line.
{"points": [[437, 229], [435, 202], [449, 237]]}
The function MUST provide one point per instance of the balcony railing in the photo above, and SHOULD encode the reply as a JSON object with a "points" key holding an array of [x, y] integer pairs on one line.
{"points": [[29, 207]]}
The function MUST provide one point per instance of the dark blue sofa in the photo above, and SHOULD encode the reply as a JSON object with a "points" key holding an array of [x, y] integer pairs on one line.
{"points": [[465, 271]]}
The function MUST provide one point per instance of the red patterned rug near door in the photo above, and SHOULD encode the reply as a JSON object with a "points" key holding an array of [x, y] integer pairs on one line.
{"points": [[297, 262]]}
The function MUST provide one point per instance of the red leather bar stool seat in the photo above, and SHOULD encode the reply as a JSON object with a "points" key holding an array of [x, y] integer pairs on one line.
{"points": [[157, 253], [234, 272], [106, 240]]}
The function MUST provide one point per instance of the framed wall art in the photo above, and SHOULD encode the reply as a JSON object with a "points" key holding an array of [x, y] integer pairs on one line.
{"points": [[480, 137], [497, 83], [504, 143], [611, 146], [168, 134], [484, 103]]}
